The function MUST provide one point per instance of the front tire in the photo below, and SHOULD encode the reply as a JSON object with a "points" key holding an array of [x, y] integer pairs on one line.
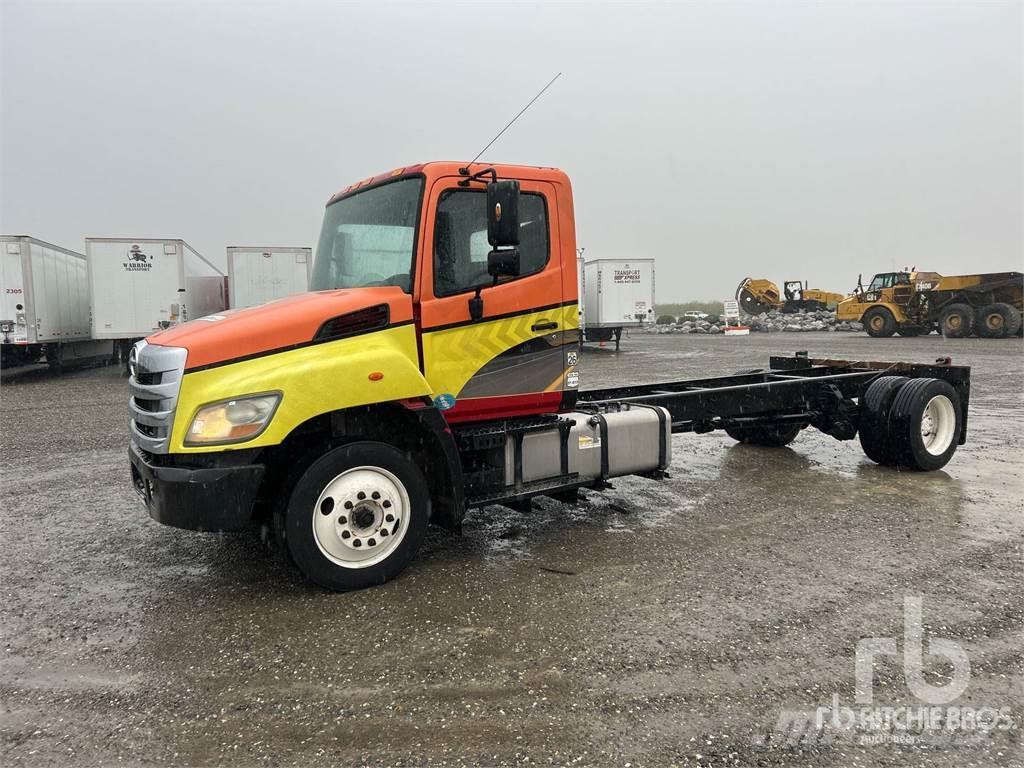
{"points": [[879, 322], [357, 516]]}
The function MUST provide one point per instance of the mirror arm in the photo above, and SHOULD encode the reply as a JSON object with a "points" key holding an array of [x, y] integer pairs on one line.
{"points": [[476, 304], [478, 176]]}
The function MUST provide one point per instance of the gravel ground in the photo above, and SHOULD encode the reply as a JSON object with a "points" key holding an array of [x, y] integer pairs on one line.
{"points": [[657, 623]]}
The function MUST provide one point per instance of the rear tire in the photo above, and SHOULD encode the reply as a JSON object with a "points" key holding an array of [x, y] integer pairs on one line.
{"points": [[873, 429], [879, 322], [925, 423], [357, 516], [769, 436], [997, 321], [957, 321]]}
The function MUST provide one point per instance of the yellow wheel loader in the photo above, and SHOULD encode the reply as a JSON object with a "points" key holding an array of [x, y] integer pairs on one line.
{"points": [[916, 303], [757, 295]]}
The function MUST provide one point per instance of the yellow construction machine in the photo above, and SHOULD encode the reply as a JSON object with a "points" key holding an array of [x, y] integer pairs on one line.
{"points": [[757, 295], [913, 303]]}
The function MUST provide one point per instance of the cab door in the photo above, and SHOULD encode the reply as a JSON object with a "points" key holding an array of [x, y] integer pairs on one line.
{"points": [[516, 358]]}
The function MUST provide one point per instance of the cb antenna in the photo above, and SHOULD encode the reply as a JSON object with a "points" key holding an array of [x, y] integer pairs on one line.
{"points": [[465, 171]]}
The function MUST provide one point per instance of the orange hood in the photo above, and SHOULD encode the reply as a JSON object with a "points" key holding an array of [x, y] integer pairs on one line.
{"points": [[275, 327]]}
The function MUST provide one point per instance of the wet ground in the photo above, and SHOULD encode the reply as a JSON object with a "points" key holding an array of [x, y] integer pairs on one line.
{"points": [[675, 622]]}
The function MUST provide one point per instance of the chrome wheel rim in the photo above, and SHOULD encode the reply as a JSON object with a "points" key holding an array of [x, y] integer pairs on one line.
{"points": [[938, 425], [361, 517]]}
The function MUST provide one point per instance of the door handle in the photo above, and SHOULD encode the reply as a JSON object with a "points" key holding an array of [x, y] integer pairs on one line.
{"points": [[544, 325]]}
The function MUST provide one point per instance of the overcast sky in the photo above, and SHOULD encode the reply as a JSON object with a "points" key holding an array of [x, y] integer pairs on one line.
{"points": [[779, 140]]}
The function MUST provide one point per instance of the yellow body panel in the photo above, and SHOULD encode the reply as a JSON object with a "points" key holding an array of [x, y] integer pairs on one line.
{"points": [[313, 380], [828, 298], [958, 282], [852, 309], [453, 355]]}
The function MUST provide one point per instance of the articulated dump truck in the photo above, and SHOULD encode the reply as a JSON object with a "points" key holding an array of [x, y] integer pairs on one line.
{"points": [[757, 295], [434, 368], [917, 303]]}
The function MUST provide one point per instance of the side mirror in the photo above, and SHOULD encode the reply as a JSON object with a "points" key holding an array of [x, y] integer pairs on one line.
{"points": [[501, 263], [502, 214]]}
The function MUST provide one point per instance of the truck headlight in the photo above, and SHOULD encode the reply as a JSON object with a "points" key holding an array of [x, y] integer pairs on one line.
{"points": [[232, 421]]}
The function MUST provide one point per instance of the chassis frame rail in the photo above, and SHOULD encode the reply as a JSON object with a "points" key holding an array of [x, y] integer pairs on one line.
{"points": [[824, 393]]}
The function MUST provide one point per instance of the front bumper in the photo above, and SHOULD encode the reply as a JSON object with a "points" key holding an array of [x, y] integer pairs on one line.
{"points": [[200, 499]]}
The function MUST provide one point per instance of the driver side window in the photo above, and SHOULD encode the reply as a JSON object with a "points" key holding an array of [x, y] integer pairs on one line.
{"points": [[460, 239]]}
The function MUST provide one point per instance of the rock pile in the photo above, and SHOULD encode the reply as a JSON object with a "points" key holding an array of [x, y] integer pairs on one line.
{"points": [[820, 320], [768, 322]]}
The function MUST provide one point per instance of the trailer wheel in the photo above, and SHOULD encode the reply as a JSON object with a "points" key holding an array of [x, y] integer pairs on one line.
{"points": [[55, 357], [925, 422], [957, 321], [873, 429], [997, 321], [770, 436], [879, 322], [357, 516]]}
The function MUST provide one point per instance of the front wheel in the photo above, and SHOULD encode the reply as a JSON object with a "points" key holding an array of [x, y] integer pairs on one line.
{"points": [[879, 322], [357, 516]]}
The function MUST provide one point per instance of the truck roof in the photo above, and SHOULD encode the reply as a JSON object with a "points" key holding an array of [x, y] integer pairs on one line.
{"points": [[438, 168]]}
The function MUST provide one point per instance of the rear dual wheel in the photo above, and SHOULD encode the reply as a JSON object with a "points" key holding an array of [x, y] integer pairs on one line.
{"points": [[913, 423], [874, 418]]}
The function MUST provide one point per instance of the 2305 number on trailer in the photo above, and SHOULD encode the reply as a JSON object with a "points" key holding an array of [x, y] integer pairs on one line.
{"points": [[357, 516]]}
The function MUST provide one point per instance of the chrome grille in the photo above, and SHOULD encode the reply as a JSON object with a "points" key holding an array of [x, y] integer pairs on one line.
{"points": [[154, 383]]}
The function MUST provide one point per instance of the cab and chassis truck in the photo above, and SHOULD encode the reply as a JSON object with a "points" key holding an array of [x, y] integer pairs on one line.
{"points": [[433, 368]]}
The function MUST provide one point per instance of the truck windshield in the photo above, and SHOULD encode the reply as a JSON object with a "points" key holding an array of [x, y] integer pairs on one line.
{"points": [[368, 238], [888, 280]]}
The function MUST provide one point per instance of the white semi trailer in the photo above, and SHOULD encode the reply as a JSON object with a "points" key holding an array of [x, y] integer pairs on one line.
{"points": [[140, 286], [617, 294], [44, 304], [259, 275]]}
